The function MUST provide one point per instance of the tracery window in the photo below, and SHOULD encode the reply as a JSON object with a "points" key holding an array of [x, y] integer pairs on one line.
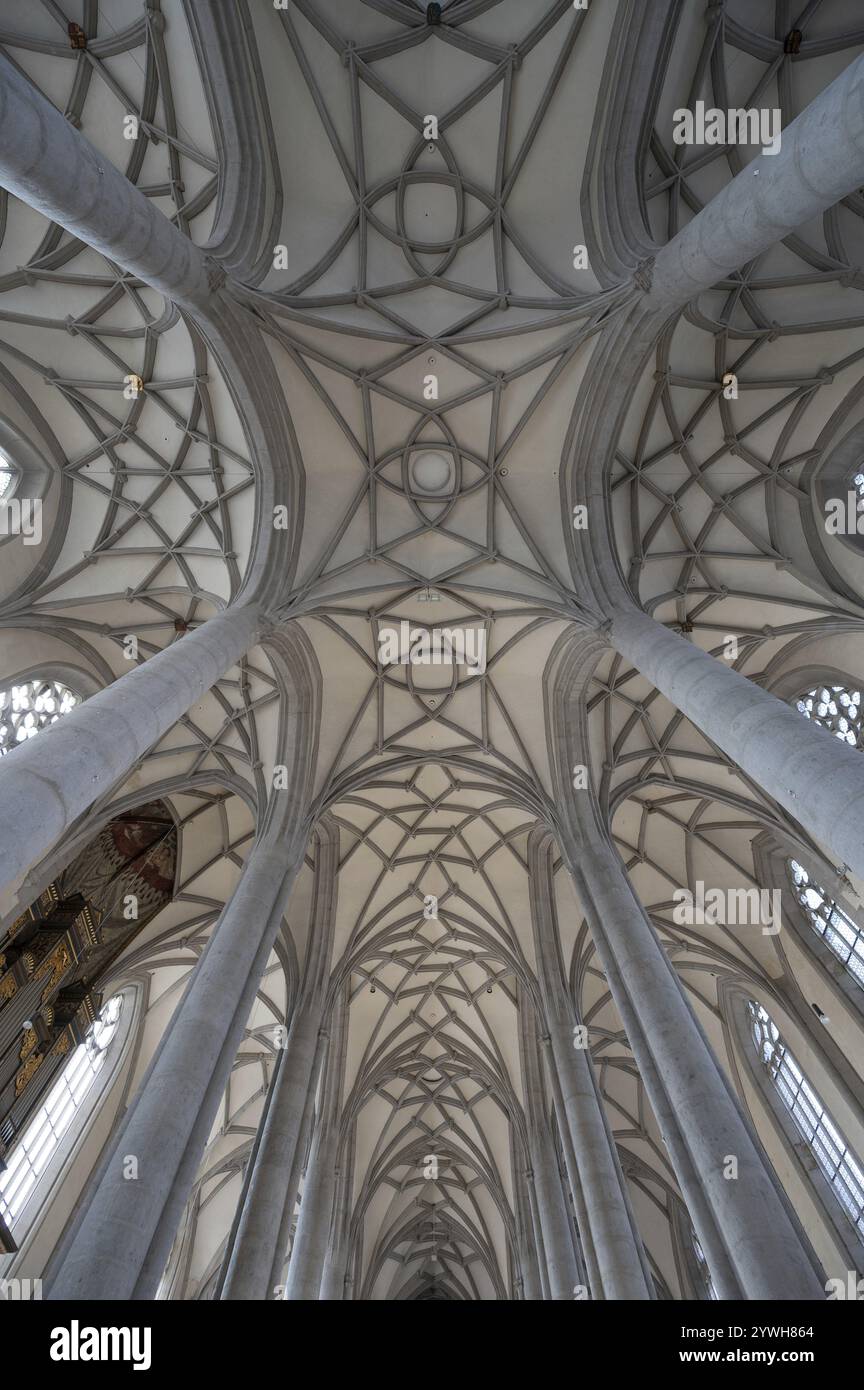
{"points": [[7, 477], [29, 707], [828, 919], [827, 1145], [836, 709], [29, 1158]]}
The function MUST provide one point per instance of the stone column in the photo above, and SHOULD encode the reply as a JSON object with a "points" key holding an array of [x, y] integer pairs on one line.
{"points": [[689, 1180], [558, 1260], [542, 1271], [316, 1224], [611, 1236], [821, 160], [311, 1242], [528, 1278], [46, 782], [583, 1225], [165, 1129], [45, 162], [336, 1261], [762, 1244], [562, 1269], [815, 776], [255, 1245], [261, 1239]]}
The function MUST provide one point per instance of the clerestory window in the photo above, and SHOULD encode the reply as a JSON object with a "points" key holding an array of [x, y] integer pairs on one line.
{"points": [[837, 709], [29, 707], [7, 477], [827, 918], [29, 1157], [827, 1145]]}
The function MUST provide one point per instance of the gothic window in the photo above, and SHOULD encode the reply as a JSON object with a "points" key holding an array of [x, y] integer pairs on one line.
{"points": [[828, 919], [29, 707], [29, 1158], [836, 709], [827, 1145], [7, 477]]}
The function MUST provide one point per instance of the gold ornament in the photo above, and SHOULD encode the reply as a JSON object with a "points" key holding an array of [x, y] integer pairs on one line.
{"points": [[32, 1065]]}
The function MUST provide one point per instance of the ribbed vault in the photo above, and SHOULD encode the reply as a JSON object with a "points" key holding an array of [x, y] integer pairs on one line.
{"points": [[384, 383]]}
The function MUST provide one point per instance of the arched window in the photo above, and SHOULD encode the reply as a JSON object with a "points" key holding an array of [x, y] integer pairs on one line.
{"points": [[31, 1155], [828, 919], [827, 1145], [8, 477], [29, 707], [836, 709]]}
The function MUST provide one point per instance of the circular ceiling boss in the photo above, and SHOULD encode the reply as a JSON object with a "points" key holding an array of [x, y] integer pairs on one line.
{"points": [[431, 472]]}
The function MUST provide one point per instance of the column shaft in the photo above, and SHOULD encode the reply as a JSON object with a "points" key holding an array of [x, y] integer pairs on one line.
{"points": [[526, 1253], [45, 162], [256, 1260], [610, 1239], [704, 1221], [258, 1233], [176, 1103], [46, 782], [539, 1244], [616, 1244], [583, 1224], [763, 1245], [556, 1253], [816, 777], [311, 1242], [562, 1269], [821, 161], [336, 1260]]}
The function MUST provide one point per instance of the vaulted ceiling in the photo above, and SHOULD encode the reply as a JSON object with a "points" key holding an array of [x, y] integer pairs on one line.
{"points": [[419, 297]]}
